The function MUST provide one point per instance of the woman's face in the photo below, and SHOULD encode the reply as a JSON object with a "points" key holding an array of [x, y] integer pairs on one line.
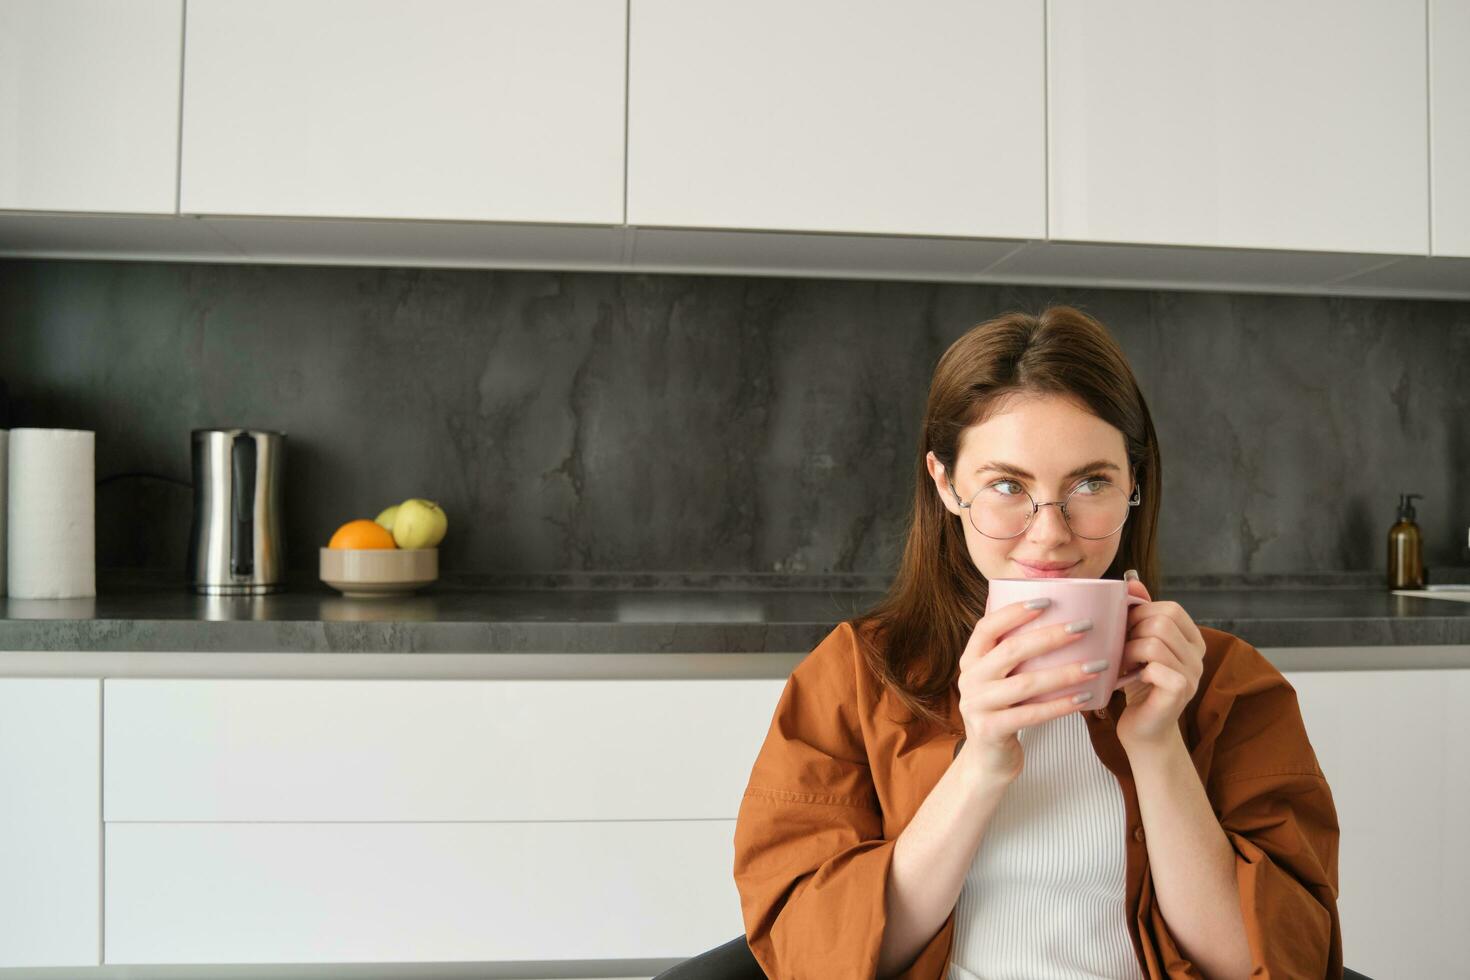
{"points": [[1048, 437]]}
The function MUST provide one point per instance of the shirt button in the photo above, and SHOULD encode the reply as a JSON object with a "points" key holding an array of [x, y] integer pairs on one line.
{"points": [[1100, 713], [1138, 834]]}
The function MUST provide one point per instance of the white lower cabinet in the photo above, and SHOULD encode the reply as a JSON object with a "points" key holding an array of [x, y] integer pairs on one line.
{"points": [[340, 821], [421, 750], [50, 822], [322, 821], [417, 892], [1392, 745]]}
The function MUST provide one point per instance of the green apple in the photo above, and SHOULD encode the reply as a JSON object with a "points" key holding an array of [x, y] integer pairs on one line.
{"points": [[385, 519], [419, 523]]}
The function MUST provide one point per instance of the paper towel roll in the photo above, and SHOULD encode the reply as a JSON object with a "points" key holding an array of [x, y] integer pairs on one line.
{"points": [[51, 514], [4, 486]]}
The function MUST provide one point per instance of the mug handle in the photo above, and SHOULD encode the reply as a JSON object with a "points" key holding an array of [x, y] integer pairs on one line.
{"points": [[1124, 681]]}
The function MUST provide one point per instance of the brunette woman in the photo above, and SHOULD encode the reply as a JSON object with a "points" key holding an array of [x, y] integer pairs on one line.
{"points": [[908, 816]]}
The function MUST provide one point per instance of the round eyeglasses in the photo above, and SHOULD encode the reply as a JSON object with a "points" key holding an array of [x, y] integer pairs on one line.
{"points": [[1095, 508]]}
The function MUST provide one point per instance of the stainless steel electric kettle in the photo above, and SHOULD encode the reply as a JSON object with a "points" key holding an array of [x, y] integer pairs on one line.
{"points": [[235, 542]]}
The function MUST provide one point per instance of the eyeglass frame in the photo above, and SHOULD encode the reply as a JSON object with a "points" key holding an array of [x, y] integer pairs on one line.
{"points": [[1133, 501]]}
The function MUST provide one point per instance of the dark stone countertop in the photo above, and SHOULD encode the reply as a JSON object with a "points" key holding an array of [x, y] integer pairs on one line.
{"points": [[657, 613]]}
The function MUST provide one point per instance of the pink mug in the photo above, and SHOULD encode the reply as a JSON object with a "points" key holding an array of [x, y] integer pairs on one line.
{"points": [[1103, 600]]}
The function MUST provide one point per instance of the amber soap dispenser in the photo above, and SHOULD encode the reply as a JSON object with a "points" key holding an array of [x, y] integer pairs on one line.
{"points": [[1406, 548]]}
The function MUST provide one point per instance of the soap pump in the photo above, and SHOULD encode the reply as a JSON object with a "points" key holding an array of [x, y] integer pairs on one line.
{"points": [[1406, 548]]}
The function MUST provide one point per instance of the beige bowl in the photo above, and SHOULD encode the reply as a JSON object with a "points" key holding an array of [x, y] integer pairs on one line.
{"points": [[368, 572]]}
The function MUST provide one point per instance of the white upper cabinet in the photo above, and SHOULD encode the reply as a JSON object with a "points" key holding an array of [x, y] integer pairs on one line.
{"points": [[479, 110], [89, 105], [1449, 126], [834, 115], [1253, 124]]}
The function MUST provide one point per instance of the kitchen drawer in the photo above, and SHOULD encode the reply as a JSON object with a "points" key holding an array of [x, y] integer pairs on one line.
{"points": [[421, 750], [412, 892]]}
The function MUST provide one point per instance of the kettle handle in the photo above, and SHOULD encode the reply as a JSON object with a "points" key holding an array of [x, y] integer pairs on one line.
{"points": [[242, 485]]}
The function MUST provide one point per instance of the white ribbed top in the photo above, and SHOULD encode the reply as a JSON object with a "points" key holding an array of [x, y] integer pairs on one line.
{"points": [[1044, 896]]}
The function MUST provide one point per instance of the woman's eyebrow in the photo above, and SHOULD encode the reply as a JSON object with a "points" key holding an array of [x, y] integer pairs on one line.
{"points": [[1010, 470]]}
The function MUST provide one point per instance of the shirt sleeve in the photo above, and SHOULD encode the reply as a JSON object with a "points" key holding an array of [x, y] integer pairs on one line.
{"points": [[811, 862], [1276, 809]]}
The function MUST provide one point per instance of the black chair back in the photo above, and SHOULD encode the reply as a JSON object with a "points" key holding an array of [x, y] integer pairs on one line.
{"points": [[734, 961], [728, 961]]}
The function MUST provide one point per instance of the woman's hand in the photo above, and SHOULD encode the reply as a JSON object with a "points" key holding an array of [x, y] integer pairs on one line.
{"points": [[988, 697], [1164, 653]]}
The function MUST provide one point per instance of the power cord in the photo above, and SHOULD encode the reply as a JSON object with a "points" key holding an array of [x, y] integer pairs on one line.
{"points": [[140, 474]]}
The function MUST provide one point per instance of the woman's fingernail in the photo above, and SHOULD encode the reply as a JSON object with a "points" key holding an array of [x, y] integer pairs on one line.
{"points": [[1094, 667], [1131, 575], [1079, 626], [1082, 696], [1041, 603]]}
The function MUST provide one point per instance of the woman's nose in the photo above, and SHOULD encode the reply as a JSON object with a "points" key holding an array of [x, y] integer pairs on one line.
{"points": [[1048, 524]]}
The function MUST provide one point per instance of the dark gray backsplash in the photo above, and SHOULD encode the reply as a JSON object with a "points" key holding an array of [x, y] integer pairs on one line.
{"points": [[590, 421]]}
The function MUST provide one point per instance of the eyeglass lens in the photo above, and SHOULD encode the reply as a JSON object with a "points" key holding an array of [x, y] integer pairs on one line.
{"points": [[1095, 509]]}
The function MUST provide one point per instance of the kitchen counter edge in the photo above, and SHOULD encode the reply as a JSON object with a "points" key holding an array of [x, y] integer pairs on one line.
{"points": [[668, 665]]}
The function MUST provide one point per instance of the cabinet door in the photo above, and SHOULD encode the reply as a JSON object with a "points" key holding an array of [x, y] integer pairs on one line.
{"points": [[412, 750], [89, 105], [50, 822], [1252, 124], [1392, 746], [502, 110], [419, 892], [834, 115], [1449, 125]]}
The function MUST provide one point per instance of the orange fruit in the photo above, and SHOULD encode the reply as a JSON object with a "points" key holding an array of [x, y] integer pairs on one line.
{"points": [[362, 534]]}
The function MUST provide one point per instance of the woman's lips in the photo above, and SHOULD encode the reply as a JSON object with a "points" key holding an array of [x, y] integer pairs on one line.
{"points": [[1046, 569]]}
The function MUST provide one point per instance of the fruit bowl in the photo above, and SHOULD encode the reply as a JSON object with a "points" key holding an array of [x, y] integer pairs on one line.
{"points": [[367, 572]]}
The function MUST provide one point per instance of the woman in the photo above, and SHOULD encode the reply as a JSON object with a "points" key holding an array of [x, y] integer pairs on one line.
{"points": [[908, 817]]}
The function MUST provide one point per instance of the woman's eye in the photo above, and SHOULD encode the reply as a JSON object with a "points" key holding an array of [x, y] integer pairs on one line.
{"points": [[1010, 488]]}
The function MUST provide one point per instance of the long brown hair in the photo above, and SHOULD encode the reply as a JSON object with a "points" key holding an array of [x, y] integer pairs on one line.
{"points": [[913, 638]]}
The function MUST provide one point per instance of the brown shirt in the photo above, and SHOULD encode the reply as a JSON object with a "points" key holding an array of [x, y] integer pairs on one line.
{"points": [[840, 775]]}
